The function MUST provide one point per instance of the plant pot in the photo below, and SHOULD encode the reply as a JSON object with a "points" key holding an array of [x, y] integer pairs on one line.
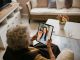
{"points": [[61, 26]]}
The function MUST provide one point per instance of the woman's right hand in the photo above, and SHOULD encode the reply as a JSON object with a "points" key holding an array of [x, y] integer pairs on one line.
{"points": [[49, 43], [52, 57], [34, 38], [39, 35]]}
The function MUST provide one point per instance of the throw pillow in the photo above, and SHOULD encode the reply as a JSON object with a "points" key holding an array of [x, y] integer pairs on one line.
{"points": [[68, 3], [60, 3], [76, 4], [42, 3], [52, 3], [34, 3]]}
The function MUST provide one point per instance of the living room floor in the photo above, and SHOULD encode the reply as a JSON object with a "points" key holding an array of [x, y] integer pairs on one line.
{"points": [[60, 41]]}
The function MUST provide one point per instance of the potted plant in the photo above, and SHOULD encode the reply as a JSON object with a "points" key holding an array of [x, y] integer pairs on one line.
{"points": [[62, 20]]}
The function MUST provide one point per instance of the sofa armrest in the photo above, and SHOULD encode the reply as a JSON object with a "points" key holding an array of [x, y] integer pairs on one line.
{"points": [[29, 7]]}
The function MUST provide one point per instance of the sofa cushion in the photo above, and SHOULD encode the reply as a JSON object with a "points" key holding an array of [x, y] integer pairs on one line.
{"points": [[34, 3], [60, 3], [76, 4], [68, 3], [66, 54], [51, 3], [42, 3], [48, 11]]}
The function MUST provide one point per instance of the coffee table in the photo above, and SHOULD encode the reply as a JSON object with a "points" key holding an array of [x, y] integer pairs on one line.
{"points": [[71, 29], [67, 38]]}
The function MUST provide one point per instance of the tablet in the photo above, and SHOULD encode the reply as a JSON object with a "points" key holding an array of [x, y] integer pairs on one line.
{"points": [[44, 32]]}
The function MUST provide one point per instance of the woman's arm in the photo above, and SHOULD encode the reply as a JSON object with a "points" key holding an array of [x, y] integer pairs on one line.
{"points": [[52, 57], [34, 37]]}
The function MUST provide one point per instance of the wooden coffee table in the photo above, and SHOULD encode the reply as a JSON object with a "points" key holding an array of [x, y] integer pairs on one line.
{"points": [[71, 29]]}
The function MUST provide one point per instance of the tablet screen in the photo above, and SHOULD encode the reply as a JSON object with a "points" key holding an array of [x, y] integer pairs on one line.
{"points": [[44, 33]]}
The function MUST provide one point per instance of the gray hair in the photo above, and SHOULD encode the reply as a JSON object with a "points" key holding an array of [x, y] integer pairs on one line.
{"points": [[18, 37]]}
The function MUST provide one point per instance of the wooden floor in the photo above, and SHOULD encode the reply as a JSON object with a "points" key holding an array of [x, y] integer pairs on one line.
{"points": [[62, 42]]}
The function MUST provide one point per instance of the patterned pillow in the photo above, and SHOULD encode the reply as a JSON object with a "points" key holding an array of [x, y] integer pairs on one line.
{"points": [[76, 4], [42, 3], [68, 3], [52, 3], [34, 3], [60, 4]]}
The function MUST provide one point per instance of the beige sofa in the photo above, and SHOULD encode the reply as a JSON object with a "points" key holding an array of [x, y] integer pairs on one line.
{"points": [[44, 13]]}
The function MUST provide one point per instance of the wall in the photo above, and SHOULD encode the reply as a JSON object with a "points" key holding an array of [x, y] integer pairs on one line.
{"points": [[23, 5]]}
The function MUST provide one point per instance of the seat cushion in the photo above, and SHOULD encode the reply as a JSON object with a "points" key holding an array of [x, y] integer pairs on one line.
{"points": [[54, 11]]}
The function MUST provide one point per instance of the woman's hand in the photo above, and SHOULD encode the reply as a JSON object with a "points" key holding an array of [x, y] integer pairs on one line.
{"points": [[39, 34], [52, 57], [34, 37], [49, 43]]}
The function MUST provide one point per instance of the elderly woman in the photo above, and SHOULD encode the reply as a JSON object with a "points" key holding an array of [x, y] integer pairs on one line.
{"points": [[18, 40]]}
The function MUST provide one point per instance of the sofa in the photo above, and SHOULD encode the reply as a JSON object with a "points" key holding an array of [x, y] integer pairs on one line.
{"points": [[41, 10]]}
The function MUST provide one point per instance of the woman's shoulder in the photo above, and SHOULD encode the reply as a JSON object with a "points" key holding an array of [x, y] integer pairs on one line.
{"points": [[33, 49]]}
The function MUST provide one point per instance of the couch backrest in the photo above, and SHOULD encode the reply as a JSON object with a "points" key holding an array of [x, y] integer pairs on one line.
{"points": [[59, 3], [42, 3], [39, 3]]}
